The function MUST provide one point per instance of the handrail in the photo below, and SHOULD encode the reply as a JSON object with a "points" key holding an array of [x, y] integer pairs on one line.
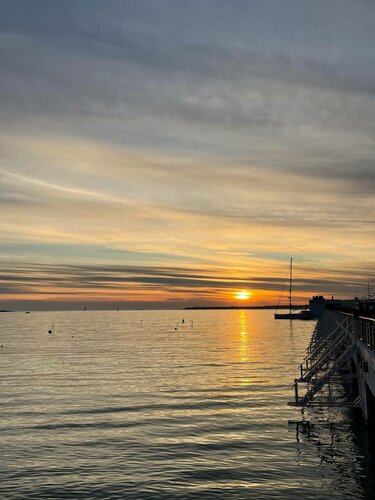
{"points": [[352, 315], [363, 329], [326, 376], [312, 370]]}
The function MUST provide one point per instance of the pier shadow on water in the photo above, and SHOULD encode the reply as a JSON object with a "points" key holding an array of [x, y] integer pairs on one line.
{"points": [[345, 446]]}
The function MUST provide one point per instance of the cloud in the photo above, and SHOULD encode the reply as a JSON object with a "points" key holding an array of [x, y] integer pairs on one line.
{"points": [[116, 282], [194, 131]]}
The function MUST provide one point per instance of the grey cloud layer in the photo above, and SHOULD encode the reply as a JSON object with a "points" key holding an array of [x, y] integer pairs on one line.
{"points": [[281, 76], [38, 279]]}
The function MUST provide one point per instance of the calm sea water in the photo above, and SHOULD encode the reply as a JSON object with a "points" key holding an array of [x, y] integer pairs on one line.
{"points": [[124, 405]]}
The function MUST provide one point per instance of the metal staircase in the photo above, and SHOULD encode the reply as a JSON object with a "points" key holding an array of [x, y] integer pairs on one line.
{"points": [[328, 354]]}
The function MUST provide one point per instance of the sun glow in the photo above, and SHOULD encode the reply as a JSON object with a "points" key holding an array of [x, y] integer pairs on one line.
{"points": [[242, 295]]}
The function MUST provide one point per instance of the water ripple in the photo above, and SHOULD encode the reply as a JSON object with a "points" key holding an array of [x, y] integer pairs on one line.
{"points": [[127, 409]]}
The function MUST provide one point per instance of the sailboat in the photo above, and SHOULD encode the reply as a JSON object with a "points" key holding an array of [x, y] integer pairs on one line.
{"points": [[297, 315]]}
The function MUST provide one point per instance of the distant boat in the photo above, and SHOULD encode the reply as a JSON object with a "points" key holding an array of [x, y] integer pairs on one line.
{"points": [[296, 315]]}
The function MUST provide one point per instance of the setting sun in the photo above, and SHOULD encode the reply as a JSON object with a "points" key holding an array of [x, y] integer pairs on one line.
{"points": [[242, 295]]}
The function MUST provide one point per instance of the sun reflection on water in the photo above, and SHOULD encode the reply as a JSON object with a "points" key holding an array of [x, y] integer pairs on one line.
{"points": [[244, 345]]}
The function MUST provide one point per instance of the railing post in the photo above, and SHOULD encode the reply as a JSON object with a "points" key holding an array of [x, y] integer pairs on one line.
{"points": [[296, 391]]}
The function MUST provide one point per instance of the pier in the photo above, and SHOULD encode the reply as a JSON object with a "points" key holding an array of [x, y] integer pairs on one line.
{"points": [[339, 366]]}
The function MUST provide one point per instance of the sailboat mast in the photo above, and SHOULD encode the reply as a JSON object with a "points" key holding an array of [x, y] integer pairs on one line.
{"points": [[290, 285]]}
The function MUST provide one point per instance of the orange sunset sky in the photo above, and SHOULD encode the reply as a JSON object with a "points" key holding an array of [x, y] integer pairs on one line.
{"points": [[167, 154]]}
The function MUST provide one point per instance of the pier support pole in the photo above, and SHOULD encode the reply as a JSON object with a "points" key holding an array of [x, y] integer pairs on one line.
{"points": [[296, 391]]}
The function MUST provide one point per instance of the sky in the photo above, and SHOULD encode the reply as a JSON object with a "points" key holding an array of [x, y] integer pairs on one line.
{"points": [[169, 153]]}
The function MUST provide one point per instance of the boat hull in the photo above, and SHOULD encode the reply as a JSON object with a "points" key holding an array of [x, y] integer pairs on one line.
{"points": [[303, 316]]}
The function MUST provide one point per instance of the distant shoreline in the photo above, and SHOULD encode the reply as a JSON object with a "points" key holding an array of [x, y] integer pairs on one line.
{"points": [[298, 306], [188, 308]]}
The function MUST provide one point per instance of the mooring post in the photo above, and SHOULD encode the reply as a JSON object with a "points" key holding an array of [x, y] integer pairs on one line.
{"points": [[296, 390]]}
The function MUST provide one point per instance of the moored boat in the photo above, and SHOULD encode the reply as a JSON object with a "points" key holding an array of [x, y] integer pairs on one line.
{"points": [[304, 315], [296, 315]]}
